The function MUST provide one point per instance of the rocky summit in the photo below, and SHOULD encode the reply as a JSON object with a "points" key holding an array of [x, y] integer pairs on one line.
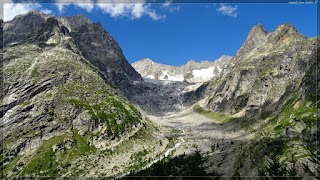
{"points": [[72, 106]]}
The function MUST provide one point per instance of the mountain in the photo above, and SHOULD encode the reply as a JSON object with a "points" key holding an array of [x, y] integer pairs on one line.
{"points": [[60, 112], [258, 119], [39, 27], [271, 92], [192, 72], [268, 70], [72, 106]]}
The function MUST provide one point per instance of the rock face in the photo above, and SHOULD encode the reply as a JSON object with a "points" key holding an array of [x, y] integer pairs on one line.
{"points": [[59, 108], [271, 86], [269, 68], [191, 72], [102, 51]]}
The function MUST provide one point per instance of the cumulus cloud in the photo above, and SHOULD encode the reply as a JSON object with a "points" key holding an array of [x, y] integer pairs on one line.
{"points": [[10, 10], [60, 4], [135, 9], [228, 10], [87, 5]]}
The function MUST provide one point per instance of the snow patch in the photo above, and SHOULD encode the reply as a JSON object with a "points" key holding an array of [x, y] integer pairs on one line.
{"points": [[151, 77], [166, 76], [203, 73], [175, 78]]}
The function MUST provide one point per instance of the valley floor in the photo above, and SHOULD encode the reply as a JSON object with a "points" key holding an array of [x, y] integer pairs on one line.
{"points": [[196, 132]]}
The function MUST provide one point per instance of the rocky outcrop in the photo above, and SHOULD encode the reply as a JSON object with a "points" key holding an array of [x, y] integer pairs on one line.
{"points": [[22, 26], [104, 53], [73, 22]]}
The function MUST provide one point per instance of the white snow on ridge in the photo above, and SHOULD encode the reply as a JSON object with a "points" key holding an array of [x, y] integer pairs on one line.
{"points": [[166, 76], [199, 75], [175, 78], [151, 77], [203, 73]]}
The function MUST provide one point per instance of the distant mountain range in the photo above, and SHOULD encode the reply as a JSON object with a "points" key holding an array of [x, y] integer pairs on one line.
{"points": [[192, 72]]}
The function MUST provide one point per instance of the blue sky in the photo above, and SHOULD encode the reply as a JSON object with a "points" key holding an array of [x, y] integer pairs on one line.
{"points": [[175, 33]]}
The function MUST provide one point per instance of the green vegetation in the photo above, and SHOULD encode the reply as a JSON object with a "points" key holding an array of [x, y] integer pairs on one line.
{"points": [[183, 165], [103, 113], [296, 117], [213, 147], [11, 165], [26, 103], [138, 156], [81, 148], [138, 160], [265, 72], [46, 162], [221, 118]]}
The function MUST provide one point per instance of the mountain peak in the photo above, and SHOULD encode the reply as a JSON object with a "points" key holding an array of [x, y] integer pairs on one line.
{"points": [[146, 60], [284, 34], [32, 13], [257, 31], [287, 29], [256, 36], [286, 26], [35, 12], [191, 61], [225, 57]]}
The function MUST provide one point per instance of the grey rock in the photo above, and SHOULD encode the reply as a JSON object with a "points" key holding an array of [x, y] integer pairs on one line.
{"points": [[266, 74]]}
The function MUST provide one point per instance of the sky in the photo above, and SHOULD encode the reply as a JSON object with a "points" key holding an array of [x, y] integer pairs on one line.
{"points": [[173, 33]]}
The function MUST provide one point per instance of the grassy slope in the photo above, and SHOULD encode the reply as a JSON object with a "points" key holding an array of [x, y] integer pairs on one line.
{"points": [[219, 117]]}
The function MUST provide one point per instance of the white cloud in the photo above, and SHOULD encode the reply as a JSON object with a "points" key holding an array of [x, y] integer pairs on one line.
{"points": [[46, 11], [133, 10], [167, 3], [10, 10], [228, 10], [115, 9], [153, 15], [60, 4], [86, 6], [137, 10]]}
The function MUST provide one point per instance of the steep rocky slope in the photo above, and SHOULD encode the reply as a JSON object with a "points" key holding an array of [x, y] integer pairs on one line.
{"points": [[269, 67], [192, 72], [271, 90], [60, 115]]}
